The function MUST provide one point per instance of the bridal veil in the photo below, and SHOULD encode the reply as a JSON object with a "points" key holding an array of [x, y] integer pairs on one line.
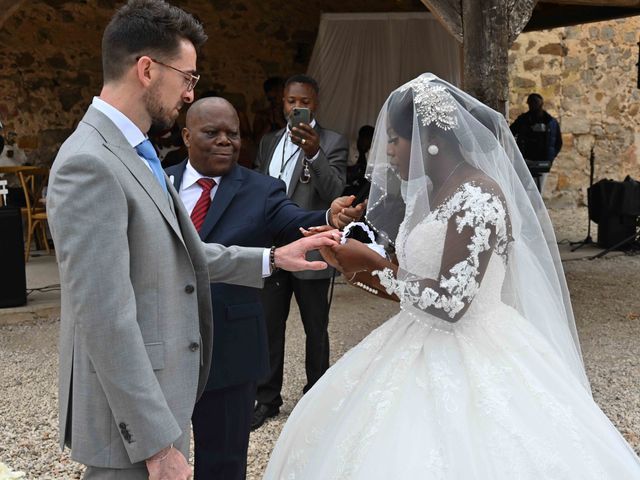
{"points": [[443, 121]]}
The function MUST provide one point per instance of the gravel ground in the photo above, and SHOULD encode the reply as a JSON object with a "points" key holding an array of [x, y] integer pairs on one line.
{"points": [[606, 306]]}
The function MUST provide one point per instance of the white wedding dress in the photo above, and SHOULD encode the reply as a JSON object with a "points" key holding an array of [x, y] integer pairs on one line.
{"points": [[422, 398]]}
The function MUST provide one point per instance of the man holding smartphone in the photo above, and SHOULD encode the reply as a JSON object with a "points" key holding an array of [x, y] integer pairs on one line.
{"points": [[312, 161]]}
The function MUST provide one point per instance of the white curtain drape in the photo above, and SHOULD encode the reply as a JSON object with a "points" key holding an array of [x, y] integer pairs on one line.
{"points": [[359, 58]]}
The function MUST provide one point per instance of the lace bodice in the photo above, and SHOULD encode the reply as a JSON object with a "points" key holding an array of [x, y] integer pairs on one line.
{"points": [[421, 252]]}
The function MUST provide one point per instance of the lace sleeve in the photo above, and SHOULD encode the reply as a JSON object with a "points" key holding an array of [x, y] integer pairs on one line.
{"points": [[476, 228]]}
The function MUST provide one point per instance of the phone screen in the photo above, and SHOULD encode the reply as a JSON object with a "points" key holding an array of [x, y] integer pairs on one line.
{"points": [[299, 115]]}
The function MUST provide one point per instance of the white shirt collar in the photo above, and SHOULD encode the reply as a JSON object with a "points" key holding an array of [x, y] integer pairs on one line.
{"points": [[191, 176], [129, 129]]}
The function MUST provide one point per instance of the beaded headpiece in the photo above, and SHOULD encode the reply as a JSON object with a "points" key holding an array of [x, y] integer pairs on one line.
{"points": [[433, 103]]}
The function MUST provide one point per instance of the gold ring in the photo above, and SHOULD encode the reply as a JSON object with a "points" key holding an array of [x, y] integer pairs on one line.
{"points": [[304, 140]]}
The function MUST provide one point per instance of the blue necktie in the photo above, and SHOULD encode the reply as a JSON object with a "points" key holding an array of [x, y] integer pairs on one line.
{"points": [[146, 151]]}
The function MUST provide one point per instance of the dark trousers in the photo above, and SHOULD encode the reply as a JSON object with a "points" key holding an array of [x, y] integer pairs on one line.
{"points": [[311, 296], [221, 425]]}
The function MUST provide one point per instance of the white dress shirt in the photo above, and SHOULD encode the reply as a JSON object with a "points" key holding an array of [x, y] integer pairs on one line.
{"points": [[283, 163], [190, 192]]}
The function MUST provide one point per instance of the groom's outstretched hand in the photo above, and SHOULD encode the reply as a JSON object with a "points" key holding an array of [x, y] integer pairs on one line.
{"points": [[326, 252], [292, 257], [169, 464], [342, 213]]}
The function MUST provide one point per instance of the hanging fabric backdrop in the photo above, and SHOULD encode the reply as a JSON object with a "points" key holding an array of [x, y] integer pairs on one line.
{"points": [[359, 58]]}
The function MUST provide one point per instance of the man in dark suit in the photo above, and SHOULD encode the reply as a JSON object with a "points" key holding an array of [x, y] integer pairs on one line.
{"points": [[312, 161], [248, 209]]}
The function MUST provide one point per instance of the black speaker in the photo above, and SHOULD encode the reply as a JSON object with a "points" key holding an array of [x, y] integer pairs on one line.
{"points": [[13, 282], [614, 229]]}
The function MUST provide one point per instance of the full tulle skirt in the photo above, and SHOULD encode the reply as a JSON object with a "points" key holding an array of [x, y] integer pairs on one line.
{"points": [[419, 398]]}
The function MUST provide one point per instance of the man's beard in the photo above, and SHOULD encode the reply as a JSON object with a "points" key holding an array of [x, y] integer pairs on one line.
{"points": [[160, 119]]}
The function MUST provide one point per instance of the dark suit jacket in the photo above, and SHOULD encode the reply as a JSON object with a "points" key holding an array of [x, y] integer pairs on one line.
{"points": [[328, 177], [249, 209]]}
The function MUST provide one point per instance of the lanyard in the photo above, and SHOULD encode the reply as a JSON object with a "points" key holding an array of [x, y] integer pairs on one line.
{"points": [[284, 163]]}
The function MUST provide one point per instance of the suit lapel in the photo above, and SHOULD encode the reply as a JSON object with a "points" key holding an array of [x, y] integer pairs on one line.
{"points": [[229, 185], [272, 149], [175, 180], [181, 214], [117, 144], [148, 182], [177, 172]]}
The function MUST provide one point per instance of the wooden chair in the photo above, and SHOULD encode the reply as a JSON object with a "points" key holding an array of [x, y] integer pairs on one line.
{"points": [[33, 182], [12, 171], [7, 171]]}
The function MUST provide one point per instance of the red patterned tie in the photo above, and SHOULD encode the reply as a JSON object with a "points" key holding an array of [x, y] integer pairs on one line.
{"points": [[204, 202]]}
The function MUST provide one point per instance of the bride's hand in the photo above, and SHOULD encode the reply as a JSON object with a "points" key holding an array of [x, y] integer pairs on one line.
{"points": [[355, 256]]}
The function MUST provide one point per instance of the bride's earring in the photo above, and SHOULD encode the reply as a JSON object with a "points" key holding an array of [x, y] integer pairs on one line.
{"points": [[433, 149]]}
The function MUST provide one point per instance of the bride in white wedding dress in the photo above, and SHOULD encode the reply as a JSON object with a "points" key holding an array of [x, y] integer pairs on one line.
{"points": [[479, 376]]}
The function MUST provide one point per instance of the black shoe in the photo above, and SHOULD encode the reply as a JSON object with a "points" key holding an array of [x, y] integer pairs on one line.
{"points": [[261, 413]]}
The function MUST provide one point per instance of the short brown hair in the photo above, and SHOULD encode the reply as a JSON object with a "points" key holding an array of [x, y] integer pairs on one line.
{"points": [[146, 27]]}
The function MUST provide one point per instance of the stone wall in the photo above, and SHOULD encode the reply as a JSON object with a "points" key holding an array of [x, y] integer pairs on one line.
{"points": [[588, 78], [50, 69], [48, 72], [50, 56]]}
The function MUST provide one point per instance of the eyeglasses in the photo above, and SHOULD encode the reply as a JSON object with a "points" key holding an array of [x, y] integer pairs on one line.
{"points": [[190, 79]]}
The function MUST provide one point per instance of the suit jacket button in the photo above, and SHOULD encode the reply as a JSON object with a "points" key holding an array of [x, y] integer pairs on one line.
{"points": [[189, 288], [194, 347]]}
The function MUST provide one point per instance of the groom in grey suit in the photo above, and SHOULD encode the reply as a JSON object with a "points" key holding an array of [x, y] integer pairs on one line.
{"points": [[136, 330]]}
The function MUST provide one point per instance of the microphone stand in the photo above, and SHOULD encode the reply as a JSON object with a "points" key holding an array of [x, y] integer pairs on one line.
{"points": [[588, 240]]}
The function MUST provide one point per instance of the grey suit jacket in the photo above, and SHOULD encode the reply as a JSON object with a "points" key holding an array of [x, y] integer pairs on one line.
{"points": [[328, 178], [136, 329]]}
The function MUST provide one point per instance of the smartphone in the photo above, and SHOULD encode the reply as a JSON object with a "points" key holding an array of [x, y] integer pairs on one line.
{"points": [[298, 116]]}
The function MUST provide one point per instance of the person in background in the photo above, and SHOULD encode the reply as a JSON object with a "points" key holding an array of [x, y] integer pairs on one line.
{"points": [[11, 155], [168, 143], [312, 162], [539, 138], [271, 118], [357, 184]]}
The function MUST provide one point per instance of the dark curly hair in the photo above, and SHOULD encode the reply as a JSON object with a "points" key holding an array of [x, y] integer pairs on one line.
{"points": [[305, 79]]}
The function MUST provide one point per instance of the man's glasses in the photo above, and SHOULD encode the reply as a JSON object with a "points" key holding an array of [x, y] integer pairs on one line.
{"points": [[190, 79]]}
